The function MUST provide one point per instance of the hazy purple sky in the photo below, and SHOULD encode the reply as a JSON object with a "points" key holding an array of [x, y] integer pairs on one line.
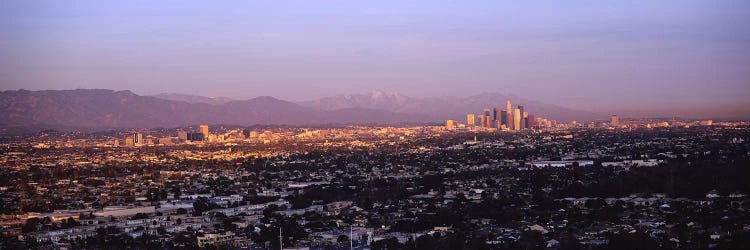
{"points": [[591, 55]]}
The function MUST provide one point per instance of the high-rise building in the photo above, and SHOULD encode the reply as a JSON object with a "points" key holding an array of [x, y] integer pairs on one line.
{"points": [[470, 120], [195, 136], [133, 139], [450, 124], [504, 117], [509, 108], [487, 118], [496, 114], [615, 121], [521, 122], [525, 118], [511, 122], [516, 119], [136, 138], [531, 121], [204, 131]]}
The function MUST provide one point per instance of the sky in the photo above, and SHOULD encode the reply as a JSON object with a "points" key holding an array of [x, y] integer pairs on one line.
{"points": [[666, 57]]}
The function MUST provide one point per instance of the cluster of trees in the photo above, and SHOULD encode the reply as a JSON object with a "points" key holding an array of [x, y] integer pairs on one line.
{"points": [[678, 178], [33, 224], [202, 204]]}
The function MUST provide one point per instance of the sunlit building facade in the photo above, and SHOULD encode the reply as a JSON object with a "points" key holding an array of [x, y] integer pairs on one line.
{"points": [[204, 130]]}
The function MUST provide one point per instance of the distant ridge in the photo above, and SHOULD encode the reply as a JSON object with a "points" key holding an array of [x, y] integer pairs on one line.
{"points": [[193, 98], [109, 109], [442, 108]]}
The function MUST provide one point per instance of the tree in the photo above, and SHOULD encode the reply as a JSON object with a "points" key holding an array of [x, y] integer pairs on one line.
{"points": [[342, 239], [569, 242], [202, 205], [390, 243], [140, 216], [31, 225], [531, 239], [635, 241], [177, 192]]}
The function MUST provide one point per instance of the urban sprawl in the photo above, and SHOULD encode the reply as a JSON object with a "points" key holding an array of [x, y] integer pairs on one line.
{"points": [[504, 179]]}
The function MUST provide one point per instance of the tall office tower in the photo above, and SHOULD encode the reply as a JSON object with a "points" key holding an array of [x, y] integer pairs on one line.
{"points": [[487, 118], [496, 114], [470, 120], [525, 118], [504, 117], [450, 124], [615, 121], [516, 119], [480, 120], [521, 122], [509, 108], [204, 131], [531, 121], [511, 122], [182, 135], [138, 139]]}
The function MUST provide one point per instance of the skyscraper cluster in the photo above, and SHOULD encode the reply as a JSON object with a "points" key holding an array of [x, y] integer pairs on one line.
{"points": [[137, 138], [134, 139], [508, 119]]}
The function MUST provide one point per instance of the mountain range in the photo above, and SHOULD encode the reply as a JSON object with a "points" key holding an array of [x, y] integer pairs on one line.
{"points": [[109, 109], [448, 107], [193, 98]]}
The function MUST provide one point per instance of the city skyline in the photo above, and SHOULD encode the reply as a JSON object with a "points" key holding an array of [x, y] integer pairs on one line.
{"points": [[388, 101], [375, 125], [340, 187]]}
